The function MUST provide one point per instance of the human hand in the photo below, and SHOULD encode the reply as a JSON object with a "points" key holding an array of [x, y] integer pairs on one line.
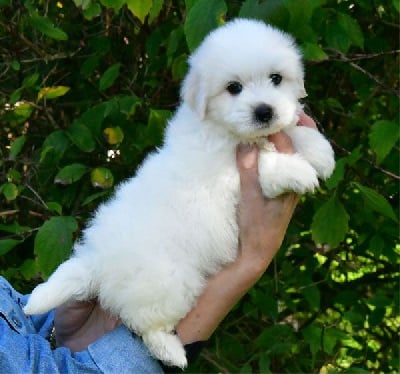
{"points": [[262, 221], [80, 323]]}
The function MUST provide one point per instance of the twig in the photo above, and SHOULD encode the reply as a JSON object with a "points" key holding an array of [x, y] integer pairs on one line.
{"points": [[210, 359], [358, 57], [9, 212], [377, 167], [344, 58], [37, 195]]}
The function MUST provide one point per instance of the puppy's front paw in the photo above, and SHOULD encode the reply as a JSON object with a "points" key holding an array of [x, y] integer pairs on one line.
{"points": [[281, 173], [315, 148]]}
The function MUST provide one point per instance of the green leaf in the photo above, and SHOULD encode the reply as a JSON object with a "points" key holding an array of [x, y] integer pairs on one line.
{"points": [[15, 65], [22, 111], [46, 27], [300, 12], [331, 337], [52, 92], [81, 136], [114, 4], [396, 4], [337, 37], [109, 77], [272, 11], [337, 175], [4, 3], [90, 65], [70, 174], [54, 146], [351, 26], [10, 191], [102, 178], [54, 207], [203, 17], [155, 10], [92, 11], [29, 269], [313, 296], [330, 223], [312, 335], [84, 4], [53, 243], [272, 335], [313, 52], [16, 147], [139, 8], [30, 80], [7, 245], [382, 138], [95, 196], [376, 201]]}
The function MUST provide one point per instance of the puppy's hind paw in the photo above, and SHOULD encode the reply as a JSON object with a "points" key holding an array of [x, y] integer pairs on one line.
{"points": [[166, 347]]}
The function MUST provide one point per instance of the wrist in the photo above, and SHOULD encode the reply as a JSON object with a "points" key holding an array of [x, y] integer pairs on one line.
{"points": [[255, 263]]}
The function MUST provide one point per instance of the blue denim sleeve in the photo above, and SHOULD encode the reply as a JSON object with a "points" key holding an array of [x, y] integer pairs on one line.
{"points": [[24, 348]]}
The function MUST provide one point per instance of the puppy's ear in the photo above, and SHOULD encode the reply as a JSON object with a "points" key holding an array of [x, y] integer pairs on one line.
{"points": [[301, 90], [193, 92]]}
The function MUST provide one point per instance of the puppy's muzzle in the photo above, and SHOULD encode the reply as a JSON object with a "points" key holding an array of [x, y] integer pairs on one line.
{"points": [[263, 114]]}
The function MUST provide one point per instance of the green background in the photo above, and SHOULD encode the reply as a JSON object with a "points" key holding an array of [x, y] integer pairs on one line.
{"points": [[86, 88]]}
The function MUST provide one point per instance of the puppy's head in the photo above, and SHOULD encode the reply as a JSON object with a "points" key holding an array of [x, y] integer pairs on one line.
{"points": [[247, 77]]}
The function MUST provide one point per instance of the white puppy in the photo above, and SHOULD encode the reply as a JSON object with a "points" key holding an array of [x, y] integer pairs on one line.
{"points": [[148, 252]]}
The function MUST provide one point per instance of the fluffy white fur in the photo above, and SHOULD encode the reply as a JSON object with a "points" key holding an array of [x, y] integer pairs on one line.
{"points": [[148, 252]]}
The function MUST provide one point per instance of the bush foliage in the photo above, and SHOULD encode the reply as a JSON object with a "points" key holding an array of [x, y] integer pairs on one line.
{"points": [[86, 89]]}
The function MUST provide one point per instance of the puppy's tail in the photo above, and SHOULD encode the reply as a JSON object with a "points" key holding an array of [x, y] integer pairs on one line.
{"points": [[71, 281], [166, 347]]}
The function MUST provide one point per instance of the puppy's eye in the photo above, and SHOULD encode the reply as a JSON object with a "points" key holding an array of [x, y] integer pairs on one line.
{"points": [[276, 79], [234, 88]]}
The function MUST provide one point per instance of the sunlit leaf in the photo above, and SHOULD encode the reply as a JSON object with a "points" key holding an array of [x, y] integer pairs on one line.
{"points": [[139, 8], [52, 92], [102, 178], [113, 135]]}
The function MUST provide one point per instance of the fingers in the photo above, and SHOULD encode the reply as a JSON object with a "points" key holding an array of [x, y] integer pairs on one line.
{"points": [[247, 163], [247, 157], [306, 120], [282, 142]]}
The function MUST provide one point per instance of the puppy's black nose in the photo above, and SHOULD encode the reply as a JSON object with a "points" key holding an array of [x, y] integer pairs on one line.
{"points": [[263, 113]]}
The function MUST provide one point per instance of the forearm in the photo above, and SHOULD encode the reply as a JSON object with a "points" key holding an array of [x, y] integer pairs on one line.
{"points": [[222, 292]]}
